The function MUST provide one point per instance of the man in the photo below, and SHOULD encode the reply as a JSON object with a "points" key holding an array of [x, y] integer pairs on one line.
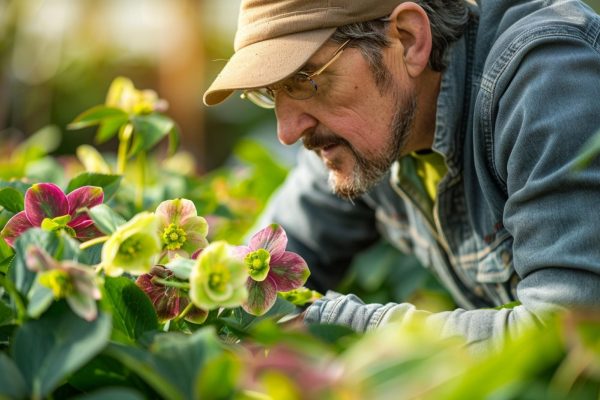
{"points": [[449, 128]]}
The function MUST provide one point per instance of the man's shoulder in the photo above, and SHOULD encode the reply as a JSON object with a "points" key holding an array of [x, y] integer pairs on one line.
{"points": [[523, 25]]}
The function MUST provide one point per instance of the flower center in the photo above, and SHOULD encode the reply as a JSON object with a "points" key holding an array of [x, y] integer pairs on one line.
{"points": [[130, 247], [174, 237], [58, 224], [58, 281], [258, 264], [219, 278]]}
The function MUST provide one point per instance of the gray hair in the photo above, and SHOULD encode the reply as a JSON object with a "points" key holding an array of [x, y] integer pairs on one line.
{"points": [[448, 19]]}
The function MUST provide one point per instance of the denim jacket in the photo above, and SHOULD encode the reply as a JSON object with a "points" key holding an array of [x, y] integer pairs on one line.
{"points": [[513, 220]]}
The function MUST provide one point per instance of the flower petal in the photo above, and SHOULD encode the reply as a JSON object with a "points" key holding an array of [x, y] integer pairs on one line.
{"points": [[175, 211], [38, 260], [45, 200], [272, 238], [83, 306], [86, 230], [166, 300], [15, 227], [261, 296], [195, 315], [289, 271], [83, 197]]}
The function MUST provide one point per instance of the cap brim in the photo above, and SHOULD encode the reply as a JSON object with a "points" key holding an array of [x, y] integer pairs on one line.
{"points": [[266, 62]]}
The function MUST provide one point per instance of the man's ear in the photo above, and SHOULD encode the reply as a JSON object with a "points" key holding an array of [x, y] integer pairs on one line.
{"points": [[409, 24]]}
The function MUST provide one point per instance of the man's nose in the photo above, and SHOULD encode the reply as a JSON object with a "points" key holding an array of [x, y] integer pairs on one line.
{"points": [[292, 120]]}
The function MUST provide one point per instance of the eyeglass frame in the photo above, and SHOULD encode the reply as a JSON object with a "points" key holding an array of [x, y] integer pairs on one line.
{"points": [[265, 97]]}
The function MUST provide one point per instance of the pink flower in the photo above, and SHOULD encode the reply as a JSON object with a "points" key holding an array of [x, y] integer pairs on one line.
{"points": [[168, 301], [271, 268], [46, 206], [182, 231]]}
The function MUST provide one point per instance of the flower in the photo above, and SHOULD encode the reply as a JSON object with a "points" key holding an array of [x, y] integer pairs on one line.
{"points": [[271, 268], [46, 206], [217, 278], [74, 282], [133, 246], [182, 231], [123, 94], [168, 301]]}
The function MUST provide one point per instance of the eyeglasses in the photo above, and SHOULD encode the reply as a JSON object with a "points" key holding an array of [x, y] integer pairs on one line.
{"points": [[301, 86]]}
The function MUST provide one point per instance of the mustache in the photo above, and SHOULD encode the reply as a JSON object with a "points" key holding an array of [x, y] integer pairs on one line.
{"points": [[318, 141]]}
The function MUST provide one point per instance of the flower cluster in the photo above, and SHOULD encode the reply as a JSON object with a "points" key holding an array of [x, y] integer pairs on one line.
{"points": [[183, 275]]}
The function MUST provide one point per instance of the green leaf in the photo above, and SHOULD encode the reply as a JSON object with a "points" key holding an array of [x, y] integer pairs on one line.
{"points": [[148, 131], [7, 316], [174, 362], [243, 321], [12, 384], [218, 378], [174, 137], [103, 372], [106, 220], [108, 183], [331, 333], [11, 199], [112, 393], [95, 115], [49, 349], [109, 128], [133, 313]]}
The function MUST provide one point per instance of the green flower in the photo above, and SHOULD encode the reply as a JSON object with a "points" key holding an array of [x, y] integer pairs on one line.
{"points": [[218, 278], [182, 231], [133, 246]]}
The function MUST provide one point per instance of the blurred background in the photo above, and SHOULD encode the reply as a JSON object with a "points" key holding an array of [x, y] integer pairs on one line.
{"points": [[58, 58]]}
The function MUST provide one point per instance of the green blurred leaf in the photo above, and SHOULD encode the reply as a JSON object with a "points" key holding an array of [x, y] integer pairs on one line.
{"points": [[103, 372], [332, 333], [133, 313], [7, 316], [241, 321], [174, 362], [112, 394], [105, 218], [11, 199], [174, 138], [148, 131], [218, 378], [49, 349], [109, 127], [12, 384], [95, 115], [108, 183]]}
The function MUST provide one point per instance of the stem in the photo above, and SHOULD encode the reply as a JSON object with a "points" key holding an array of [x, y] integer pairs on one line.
{"points": [[92, 242], [139, 190], [10, 288], [124, 135], [185, 311], [175, 284]]}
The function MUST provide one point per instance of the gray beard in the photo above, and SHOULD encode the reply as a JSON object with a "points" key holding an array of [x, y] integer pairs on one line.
{"points": [[368, 171]]}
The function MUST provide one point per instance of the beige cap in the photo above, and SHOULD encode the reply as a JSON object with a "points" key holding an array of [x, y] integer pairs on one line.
{"points": [[275, 38]]}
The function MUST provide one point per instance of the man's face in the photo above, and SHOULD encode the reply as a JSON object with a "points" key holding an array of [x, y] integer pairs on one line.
{"points": [[357, 128]]}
